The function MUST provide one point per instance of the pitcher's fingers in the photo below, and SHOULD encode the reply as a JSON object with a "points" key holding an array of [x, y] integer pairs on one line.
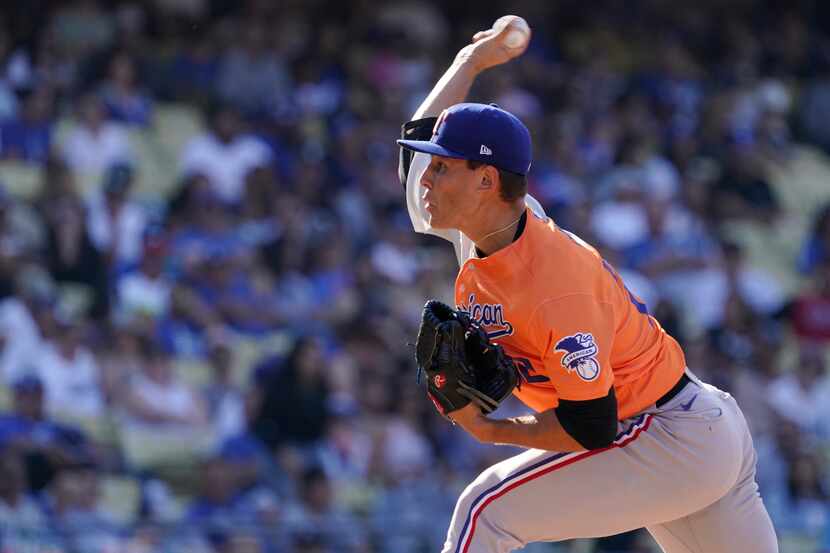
{"points": [[482, 35]]}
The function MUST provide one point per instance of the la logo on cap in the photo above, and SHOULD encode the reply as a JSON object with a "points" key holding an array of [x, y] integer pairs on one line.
{"points": [[485, 151]]}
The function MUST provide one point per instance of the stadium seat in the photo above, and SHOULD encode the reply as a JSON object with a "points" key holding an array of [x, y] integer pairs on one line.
{"points": [[21, 180], [156, 448], [100, 430], [192, 370], [120, 498], [5, 398], [801, 183], [795, 543], [156, 174], [174, 125]]}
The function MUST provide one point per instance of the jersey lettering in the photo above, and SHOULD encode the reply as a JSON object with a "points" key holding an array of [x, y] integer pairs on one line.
{"points": [[489, 316]]}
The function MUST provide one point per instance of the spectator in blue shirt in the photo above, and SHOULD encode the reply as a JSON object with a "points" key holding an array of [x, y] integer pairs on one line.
{"points": [[193, 71], [223, 507], [45, 445], [124, 100], [29, 136]]}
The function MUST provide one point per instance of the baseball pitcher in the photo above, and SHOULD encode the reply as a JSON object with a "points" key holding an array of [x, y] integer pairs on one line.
{"points": [[623, 436]]}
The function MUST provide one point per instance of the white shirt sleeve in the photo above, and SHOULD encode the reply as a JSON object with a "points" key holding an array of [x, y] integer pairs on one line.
{"points": [[464, 247]]}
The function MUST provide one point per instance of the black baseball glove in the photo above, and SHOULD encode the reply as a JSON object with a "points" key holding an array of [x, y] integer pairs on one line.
{"points": [[460, 362]]}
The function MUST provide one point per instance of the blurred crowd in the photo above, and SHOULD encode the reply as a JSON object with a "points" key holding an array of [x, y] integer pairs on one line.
{"points": [[205, 342]]}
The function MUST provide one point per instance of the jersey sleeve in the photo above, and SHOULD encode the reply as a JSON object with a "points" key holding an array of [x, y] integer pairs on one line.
{"points": [[411, 167], [577, 333]]}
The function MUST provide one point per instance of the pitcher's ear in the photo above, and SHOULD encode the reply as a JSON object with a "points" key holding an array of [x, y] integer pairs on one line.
{"points": [[489, 177]]}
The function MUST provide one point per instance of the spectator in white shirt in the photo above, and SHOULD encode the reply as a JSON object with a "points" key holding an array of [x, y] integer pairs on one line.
{"points": [[20, 335], [116, 224], [800, 396], [146, 291], [224, 154], [158, 398], [95, 143], [69, 373]]}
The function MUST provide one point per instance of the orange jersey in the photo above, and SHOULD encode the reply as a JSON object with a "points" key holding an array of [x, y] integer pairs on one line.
{"points": [[570, 324]]}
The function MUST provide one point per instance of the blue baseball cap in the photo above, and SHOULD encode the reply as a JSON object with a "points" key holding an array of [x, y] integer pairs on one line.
{"points": [[479, 132]]}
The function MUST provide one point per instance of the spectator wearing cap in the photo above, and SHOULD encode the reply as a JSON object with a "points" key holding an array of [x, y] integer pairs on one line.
{"points": [[116, 223], [44, 444], [94, 143], [225, 154]]}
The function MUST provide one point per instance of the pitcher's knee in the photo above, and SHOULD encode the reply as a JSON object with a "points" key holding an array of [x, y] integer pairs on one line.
{"points": [[472, 498], [483, 483], [487, 532]]}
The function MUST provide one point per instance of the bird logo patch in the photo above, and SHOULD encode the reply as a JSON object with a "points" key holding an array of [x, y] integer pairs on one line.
{"points": [[580, 355], [439, 380]]}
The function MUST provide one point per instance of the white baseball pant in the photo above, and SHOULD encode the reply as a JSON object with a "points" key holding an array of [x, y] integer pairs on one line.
{"points": [[685, 471]]}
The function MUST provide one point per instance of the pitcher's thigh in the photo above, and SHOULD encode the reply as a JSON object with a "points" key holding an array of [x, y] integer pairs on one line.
{"points": [[576, 495], [737, 523]]}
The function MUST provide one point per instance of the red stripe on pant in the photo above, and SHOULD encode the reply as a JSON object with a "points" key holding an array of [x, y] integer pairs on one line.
{"points": [[526, 479]]}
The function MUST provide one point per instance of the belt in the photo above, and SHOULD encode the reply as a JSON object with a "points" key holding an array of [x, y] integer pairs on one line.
{"points": [[668, 396]]}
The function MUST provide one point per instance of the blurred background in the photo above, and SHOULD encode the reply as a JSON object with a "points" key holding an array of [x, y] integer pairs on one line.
{"points": [[210, 285]]}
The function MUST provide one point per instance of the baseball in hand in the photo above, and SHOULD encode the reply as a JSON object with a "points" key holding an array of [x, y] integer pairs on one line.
{"points": [[518, 34]]}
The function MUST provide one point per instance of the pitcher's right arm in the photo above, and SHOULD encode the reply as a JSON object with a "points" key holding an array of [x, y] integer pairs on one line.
{"points": [[486, 50]]}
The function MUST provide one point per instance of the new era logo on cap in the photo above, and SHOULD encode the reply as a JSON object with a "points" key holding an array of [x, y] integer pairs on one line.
{"points": [[485, 151]]}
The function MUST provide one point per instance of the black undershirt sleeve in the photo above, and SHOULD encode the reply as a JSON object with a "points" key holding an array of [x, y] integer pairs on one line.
{"points": [[418, 129], [592, 423]]}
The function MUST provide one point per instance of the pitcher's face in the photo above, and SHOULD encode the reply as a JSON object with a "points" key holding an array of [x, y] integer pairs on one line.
{"points": [[450, 192]]}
